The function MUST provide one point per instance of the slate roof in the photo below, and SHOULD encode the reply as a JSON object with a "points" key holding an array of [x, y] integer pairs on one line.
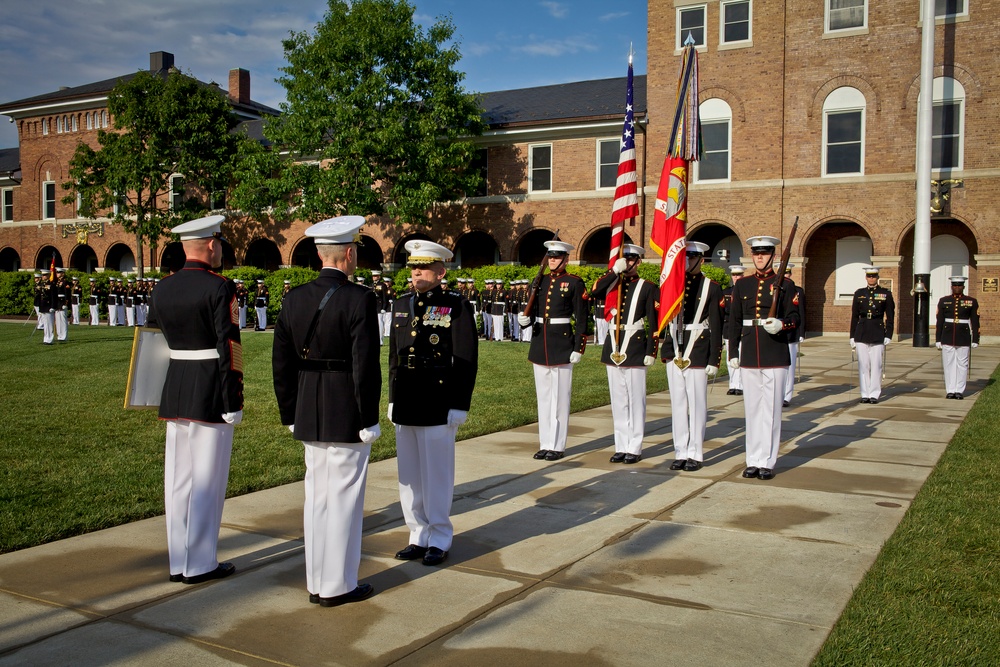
{"points": [[577, 101], [10, 159]]}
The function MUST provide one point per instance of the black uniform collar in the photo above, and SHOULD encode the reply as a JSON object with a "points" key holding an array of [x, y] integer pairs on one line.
{"points": [[195, 264], [329, 271], [434, 291], [766, 274]]}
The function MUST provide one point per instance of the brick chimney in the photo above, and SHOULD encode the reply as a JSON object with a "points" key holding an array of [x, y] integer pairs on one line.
{"points": [[160, 61], [239, 86]]}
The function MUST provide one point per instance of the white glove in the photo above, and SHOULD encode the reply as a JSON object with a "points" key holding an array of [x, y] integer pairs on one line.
{"points": [[370, 434], [712, 371], [937, 345], [975, 345], [291, 428], [853, 344], [457, 417], [382, 312], [389, 413], [575, 357], [802, 340], [886, 341], [772, 325], [620, 265], [233, 418], [733, 363], [523, 320], [648, 360]]}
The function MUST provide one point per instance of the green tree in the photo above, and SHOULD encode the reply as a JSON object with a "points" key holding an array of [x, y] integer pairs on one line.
{"points": [[376, 120], [163, 125]]}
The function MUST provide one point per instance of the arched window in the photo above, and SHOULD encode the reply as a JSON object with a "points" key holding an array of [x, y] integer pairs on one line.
{"points": [[89, 121], [716, 132], [844, 132]]}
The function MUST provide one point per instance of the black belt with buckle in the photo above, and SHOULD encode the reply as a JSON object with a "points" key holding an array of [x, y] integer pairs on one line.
{"points": [[416, 361], [326, 365]]}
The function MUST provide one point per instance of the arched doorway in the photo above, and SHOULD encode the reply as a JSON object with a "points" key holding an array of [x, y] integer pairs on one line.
{"points": [[43, 262], [949, 257], [9, 260], [369, 253], [399, 254], [530, 249], [120, 258], [596, 249], [172, 259], [476, 249], [837, 251], [304, 255], [724, 247], [952, 247], [83, 258], [263, 253]]}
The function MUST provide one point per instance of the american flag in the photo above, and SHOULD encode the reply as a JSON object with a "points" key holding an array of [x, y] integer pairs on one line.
{"points": [[626, 204]]}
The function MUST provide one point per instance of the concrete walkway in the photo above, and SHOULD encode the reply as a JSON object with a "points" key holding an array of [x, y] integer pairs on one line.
{"points": [[579, 562]]}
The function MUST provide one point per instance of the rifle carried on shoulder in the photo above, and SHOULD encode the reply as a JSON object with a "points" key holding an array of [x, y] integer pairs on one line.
{"points": [[781, 269], [537, 282]]}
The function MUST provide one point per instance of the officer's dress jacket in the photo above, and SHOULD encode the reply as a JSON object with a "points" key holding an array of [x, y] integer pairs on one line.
{"points": [[707, 347], [751, 300], [332, 392], [433, 356], [195, 309], [951, 331], [872, 315], [560, 296], [638, 343]]}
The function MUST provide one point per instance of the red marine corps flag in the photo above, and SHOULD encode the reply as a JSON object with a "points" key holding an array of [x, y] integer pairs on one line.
{"points": [[670, 213], [626, 204]]}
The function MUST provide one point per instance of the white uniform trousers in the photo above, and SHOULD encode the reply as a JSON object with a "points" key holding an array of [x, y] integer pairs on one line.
{"points": [[48, 327], [95, 316], [497, 326], [38, 317], [689, 410], [793, 352], [526, 333], [76, 313], [112, 315], [870, 369], [627, 385], [121, 316], [130, 315], [601, 327], [735, 377], [243, 317], [334, 509], [196, 469], [488, 325], [956, 368], [425, 460], [762, 392], [61, 323], [261, 318], [553, 386], [515, 327], [385, 325], [140, 314]]}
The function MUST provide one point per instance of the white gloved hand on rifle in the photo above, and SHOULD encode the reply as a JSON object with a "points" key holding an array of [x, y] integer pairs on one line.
{"points": [[772, 325], [523, 320]]}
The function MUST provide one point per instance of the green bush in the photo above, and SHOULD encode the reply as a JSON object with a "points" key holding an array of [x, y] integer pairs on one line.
{"points": [[16, 293]]}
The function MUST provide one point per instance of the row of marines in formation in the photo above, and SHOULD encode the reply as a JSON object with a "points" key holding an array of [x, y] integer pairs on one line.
{"points": [[327, 382]]}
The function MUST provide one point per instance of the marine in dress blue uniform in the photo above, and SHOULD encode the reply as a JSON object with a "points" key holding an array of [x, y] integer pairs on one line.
{"points": [[558, 340], [433, 360], [328, 382], [872, 317], [202, 399], [956, 335], [758, 345], [796, 335]]}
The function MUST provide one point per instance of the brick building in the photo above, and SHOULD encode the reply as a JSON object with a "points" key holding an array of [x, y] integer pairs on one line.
{"points": [[808, 110]]}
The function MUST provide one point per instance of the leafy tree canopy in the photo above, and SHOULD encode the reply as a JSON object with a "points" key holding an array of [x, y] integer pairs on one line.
{"points": [[376, 120]]}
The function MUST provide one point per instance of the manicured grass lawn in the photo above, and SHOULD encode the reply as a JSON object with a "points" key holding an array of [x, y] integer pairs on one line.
{"points": [[933, 595], [72, 460]]}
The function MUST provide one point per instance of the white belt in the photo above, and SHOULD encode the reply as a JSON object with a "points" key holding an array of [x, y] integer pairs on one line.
{"points": [[695, 327], [194, 355], [959, 321], [752, 323], [557, 320]]}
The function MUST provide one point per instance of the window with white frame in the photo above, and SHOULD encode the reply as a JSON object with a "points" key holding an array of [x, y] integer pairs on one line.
{"points": [[950, 8], [846, 14], [79, 204], [540, 168], [716, 135], [7, 205], [75, 123], [89, 121], [48, 200], [119, 205], [45, 126], [947, 146], [218, 199], [59, 124], [843, 132], [853, 254], [608, 155], [735, 21], [176, 192], [691, 21]]}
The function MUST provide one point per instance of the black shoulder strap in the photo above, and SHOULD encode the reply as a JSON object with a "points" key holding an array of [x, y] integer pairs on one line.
{"points": [[315, 319]]}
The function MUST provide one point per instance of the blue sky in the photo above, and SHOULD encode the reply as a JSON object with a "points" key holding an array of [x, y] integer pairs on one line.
{"points": [[46, 44]]}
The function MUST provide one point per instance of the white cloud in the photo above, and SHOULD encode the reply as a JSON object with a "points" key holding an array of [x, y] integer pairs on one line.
{"points": [[612, 16], [556, 9], [558, 47]]}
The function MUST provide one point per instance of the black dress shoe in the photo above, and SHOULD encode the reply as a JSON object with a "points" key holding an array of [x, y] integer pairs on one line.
{"points": [[873, 401], [540, 454], [692, 465], [678, 464], [435, 556], [360, 593], [632, 458], [866, 400], [750, 472], [731, 392], [785, 404], [617, 457], [959, 396], [314, 599], [223, 570], [411, 552], [178, 578], [765, 474], [739, 392], [553, 455], [950, 396]]}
